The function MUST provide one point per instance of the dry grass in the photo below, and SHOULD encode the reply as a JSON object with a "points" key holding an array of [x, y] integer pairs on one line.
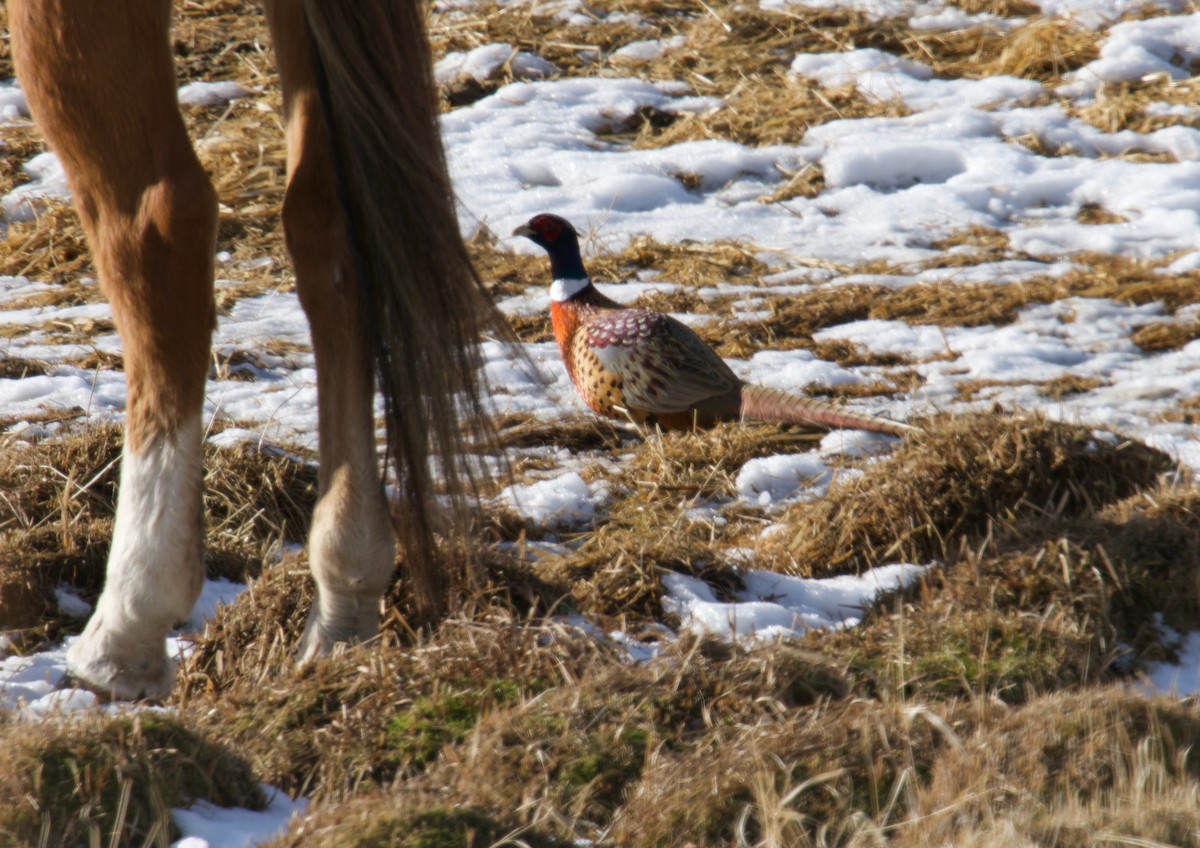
{"points": [[791, 320], [976, 708], [1160, 337], [49, 248], [1123, 106], [56, 509], [21, 143], [122, 774], [965, 477], [1071, 770], [1057, 547], [1069, 384], [410, 820]]}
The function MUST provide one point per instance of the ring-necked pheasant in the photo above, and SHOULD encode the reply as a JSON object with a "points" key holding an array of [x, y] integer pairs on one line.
{"points": [[645, 366]]}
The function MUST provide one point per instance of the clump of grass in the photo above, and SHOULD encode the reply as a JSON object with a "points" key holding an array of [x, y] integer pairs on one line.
{"points": [[791, 321], [1068, 385], [396, 821], [1095, 213], [1148, 548], [992, 627], [49, 247], [1160, 337], [581, 758], [416, 734], [1000, 8], [56, 511], [59, 498], [21, 143], [771, 107], [616, 568], [1044, 49], [794, 319], [903, 381], [702, 465], [1129, 280], [964, 474], [255, 498], [112, 779], [34, 476], [1063, 769], [918, 772], [791, 777], [1060, 599], [371, 713], [689, 264], [592, 748], [575, 434], [1124, 105], [226, 39]]}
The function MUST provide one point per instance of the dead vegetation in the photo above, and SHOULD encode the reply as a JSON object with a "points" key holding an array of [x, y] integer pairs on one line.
{"points": [[1058, 549], [56, 508], [989, 704], [123, 775], [694, 275], [1124, 106], [965, 478], [1160, 337]]}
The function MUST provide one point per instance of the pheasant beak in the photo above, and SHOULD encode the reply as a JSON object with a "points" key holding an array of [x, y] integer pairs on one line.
{"points": [[524, 230]]}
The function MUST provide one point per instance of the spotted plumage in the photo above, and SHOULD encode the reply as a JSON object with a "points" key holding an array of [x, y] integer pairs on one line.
{"points": [[646, 366]]}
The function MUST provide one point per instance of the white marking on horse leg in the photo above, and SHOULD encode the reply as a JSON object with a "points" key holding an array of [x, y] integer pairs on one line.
{"points": [[352, 555], [155, 569]]}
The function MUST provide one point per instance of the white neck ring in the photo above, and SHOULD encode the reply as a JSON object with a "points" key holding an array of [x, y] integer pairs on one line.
{"points": [[561, 290]]}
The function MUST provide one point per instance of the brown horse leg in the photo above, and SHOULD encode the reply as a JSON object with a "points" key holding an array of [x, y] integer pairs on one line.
{"points": [[351, 544], [100, 82]]}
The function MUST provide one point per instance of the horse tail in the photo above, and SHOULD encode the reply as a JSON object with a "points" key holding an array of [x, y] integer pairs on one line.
{"points": [[422, 302]]}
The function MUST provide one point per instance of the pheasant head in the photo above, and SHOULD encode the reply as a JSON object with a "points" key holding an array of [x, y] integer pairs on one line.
{"points": [[558, 238]]}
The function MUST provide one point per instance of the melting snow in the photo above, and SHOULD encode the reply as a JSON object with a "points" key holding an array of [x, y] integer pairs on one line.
{"points": [[209, 826], [894, 186], [488, 60], [775, 606], [211, 93], [564, 500], [1182, 678]]}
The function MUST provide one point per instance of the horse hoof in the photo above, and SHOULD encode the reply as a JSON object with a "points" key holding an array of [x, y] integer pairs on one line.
{"points": [[149, 676], [321, 633]]}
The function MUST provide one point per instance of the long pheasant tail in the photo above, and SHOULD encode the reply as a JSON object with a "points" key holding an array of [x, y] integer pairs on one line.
{"points": [[422, 302], [762, 404]]}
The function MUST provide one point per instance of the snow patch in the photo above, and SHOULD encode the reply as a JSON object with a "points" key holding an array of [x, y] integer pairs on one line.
{"points": [[487, 61], [211, 93], [775, 606], [205, 825], [564, 500], [770, 479], [47, 181]]}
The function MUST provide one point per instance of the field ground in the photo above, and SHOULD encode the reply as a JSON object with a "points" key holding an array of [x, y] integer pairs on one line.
{"points": [[995, 701]]}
